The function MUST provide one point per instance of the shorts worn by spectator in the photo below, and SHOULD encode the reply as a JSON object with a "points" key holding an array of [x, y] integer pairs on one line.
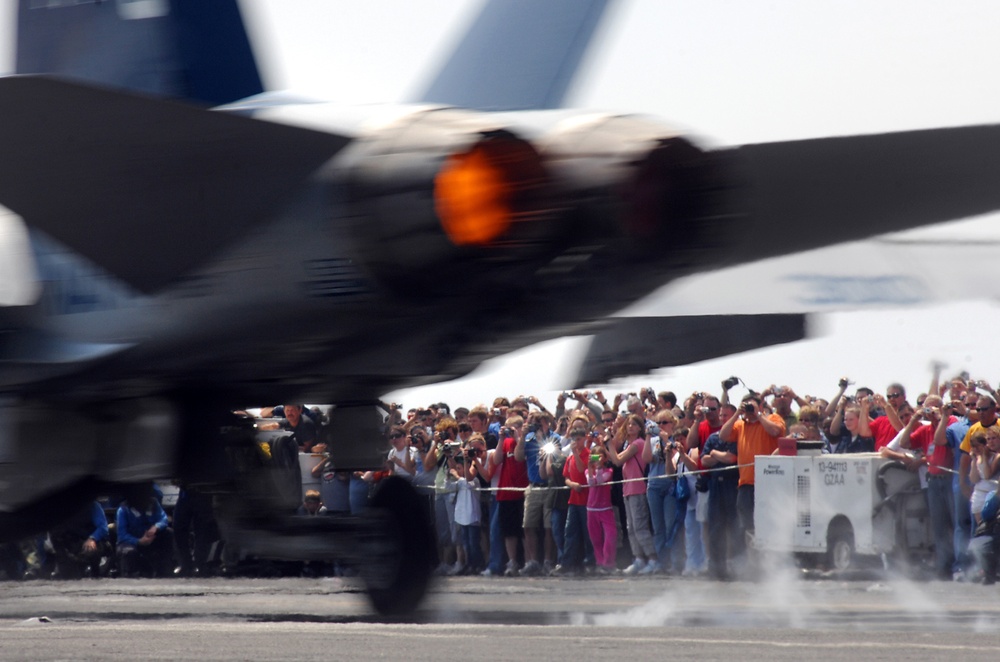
{"points": [[539, 440]]}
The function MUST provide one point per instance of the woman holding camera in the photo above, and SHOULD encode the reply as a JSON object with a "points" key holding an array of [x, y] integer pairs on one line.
{"points": [[661, 490], [626, 451], [446, 452], [984, 468]]}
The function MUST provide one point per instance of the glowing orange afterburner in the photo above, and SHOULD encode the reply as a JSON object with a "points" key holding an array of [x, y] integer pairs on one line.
{"points": [[477, 192]]}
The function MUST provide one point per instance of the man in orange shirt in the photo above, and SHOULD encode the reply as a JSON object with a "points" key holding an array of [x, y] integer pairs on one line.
{"points": [[755, 434]]}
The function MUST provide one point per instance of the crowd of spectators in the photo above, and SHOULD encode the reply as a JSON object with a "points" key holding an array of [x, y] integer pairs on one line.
{"points": [[645, 483], [639, 484]]}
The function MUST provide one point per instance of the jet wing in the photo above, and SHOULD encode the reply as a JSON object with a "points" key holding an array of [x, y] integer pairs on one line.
{"points": [[799, 195], [147, 189], [946, 262], [636, 345]]}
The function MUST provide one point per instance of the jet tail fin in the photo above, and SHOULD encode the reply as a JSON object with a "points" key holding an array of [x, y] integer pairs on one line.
{"points": [[517, 55], [190, 50]]}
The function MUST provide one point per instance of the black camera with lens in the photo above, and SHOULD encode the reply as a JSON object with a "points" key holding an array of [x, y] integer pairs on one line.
{"points": [[730, 383]]}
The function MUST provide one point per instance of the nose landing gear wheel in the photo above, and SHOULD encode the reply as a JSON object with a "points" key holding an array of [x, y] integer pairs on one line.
{"points": [[398, 574]]}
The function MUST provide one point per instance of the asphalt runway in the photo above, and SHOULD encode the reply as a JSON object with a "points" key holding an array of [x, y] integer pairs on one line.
{"points": [[784, 618]]}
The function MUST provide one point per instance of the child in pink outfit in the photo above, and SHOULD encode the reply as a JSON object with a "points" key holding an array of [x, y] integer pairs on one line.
{"points": [[600, 516]]}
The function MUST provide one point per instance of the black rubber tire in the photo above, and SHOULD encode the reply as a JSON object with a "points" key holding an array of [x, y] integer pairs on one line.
{"points": [[840, 548], [410, 529]]}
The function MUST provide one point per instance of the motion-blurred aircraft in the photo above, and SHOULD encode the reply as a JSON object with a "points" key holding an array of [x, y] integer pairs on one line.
{"points": [[186, 244]]}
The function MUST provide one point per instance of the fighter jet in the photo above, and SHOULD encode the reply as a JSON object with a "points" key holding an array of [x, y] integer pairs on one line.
{"points": [[182, 244]]}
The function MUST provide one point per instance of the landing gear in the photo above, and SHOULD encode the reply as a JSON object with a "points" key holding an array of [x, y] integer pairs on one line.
{"points": [[391, 544], [397, 580]]}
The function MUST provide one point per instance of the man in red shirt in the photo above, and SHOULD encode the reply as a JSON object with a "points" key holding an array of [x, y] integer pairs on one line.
{"points": [[509, 458], [707, 419], [939, 459], [885, 428]]}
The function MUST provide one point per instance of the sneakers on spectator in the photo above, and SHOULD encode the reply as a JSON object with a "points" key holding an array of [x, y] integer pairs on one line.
{"points": [[442, 569], [652, 568], [511, 570], [531, 569], [489, 572], [456, 569], [547, 567], [634, 569], [562, 571]]}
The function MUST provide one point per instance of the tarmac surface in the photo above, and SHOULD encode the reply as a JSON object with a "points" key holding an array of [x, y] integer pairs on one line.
{"points": [[787, 617]]}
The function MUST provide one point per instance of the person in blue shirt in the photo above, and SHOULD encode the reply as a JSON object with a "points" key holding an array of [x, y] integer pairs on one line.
{"points": [[80, 543], [144, 541], [537, 504], [965, 407]]}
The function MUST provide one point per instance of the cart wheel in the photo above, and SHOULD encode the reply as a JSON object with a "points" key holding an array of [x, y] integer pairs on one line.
{"points": [[840, 547]]}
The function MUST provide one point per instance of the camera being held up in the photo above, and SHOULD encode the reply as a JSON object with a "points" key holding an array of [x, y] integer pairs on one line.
{"points": [[730, 383]]}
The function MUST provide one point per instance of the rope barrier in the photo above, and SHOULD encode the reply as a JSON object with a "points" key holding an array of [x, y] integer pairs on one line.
{"points": [[696, 472]]}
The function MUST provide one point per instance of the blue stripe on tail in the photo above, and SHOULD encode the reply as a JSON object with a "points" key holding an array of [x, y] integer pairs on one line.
{"points": [[192, 50]]}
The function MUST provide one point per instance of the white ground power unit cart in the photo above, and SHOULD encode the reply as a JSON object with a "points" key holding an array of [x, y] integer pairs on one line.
{"points": [[839, 507]]}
